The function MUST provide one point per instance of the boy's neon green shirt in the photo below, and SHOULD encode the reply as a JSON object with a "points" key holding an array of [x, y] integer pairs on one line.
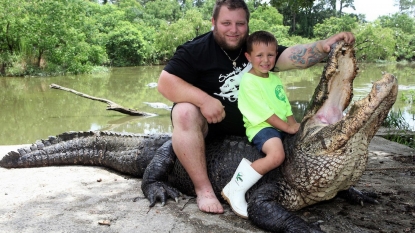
{"points": [[259, 98]]}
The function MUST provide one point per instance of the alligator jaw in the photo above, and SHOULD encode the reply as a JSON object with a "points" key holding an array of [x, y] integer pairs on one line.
{"points": [[368, 114], [364, 117], [325, 113]]}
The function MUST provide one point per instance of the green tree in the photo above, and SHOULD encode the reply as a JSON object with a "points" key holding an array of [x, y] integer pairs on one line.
{"points": [[290, 9], [74, 36], [334, 25], [401, 21], [267, 18], [207, 9], [126, 45], [132, 9], [404, 32], [161, 11], [341, 3], [172, 35], [406, 6], [12, 20], [374, 43], [57, 33]]}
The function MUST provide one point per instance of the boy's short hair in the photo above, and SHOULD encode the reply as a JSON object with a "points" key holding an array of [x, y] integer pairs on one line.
{"points": [[260, 37], [231, 5]]}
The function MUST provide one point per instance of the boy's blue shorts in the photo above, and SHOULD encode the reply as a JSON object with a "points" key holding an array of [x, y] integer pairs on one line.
{"points": [[264, 134]]}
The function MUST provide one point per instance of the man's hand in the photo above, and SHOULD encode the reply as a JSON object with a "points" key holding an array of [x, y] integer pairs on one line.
{"points": [[348, 37], [213, 110]]}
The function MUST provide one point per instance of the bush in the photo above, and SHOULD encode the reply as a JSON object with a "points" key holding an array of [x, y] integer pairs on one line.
{"points": [[126, 46]]}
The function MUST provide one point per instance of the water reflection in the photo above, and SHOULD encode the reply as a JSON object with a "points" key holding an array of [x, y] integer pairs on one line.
{"points": [[30, 110]]}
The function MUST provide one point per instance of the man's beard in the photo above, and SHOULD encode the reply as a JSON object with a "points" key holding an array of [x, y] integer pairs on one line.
{"points": [[222, 41]]}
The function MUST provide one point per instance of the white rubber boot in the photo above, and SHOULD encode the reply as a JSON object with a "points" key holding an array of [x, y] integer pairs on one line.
{"points": [[234, 192]]}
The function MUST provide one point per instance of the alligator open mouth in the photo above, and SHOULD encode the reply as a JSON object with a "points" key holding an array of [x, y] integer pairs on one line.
{"points": [[334, 94], [335, 90]]}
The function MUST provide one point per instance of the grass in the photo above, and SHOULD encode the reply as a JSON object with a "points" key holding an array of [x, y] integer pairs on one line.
{"points": [[395, 120]]}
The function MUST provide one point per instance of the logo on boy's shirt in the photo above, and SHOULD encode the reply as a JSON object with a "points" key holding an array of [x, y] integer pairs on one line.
{"points": [[229, 89], [279, 93]]}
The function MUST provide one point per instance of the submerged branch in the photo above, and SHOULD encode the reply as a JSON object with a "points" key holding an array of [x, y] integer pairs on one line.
{"points": [[111, 105]]}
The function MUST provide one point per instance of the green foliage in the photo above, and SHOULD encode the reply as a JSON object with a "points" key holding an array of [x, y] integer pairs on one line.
{"points": [[13, 21], [126, 46], [56, 38], [404, 32], [267, 18], [401, 21], [408, 97], [268, 14], [132, 10], [374, 43], [207, 9], [301, 16], [334, 25], [395, 120], [159, 11], [74, 36], [172, 35]]}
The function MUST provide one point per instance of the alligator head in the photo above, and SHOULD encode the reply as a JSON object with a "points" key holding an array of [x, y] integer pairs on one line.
{"points": [[329, 152]]}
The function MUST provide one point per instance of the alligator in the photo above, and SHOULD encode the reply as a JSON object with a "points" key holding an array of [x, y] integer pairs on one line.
{"points": [[325, 158]]}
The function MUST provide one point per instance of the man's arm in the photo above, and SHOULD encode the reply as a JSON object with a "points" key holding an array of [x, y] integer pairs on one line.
{"points": [[306, 55], [177, 90]]}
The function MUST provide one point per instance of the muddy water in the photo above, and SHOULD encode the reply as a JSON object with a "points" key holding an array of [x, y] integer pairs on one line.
{"points": [[30, 110]]}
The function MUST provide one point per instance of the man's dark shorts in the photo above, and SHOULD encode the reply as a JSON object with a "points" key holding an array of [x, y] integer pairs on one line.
{"points": [[226, 127], [264, 134]]}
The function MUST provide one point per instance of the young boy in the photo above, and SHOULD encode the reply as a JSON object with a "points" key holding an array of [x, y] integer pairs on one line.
{"points": [[267, 116]]}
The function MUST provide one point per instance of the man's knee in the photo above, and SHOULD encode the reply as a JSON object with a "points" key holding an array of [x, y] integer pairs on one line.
{"points": [[186, 115]]}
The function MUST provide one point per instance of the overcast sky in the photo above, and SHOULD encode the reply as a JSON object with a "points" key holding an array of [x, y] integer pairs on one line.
{"points": [[373, 8]]}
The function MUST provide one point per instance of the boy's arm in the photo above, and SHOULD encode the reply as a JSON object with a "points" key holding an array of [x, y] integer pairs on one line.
{"points": [[277, 123], [291, 120]]}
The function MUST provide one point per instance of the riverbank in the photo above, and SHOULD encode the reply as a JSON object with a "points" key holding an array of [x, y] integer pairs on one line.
{"points": [[94, 199]]}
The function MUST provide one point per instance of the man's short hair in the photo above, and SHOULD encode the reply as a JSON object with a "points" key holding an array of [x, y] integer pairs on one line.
{"points": [[231, 5], [260, 37]]}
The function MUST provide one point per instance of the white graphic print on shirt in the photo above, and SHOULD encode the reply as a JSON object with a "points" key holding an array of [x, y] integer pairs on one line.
{"points": [[229, 89]]}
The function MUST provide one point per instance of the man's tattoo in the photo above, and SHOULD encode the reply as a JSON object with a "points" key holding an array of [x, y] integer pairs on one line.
{"points": [[304, 56]]}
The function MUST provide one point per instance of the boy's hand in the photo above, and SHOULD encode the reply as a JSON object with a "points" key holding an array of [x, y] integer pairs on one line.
{"points": [[293, 128]]}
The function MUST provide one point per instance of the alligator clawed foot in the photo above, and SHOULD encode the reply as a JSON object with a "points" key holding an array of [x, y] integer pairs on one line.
{"points": [[160, 191], [355, 196], [315, 227]]}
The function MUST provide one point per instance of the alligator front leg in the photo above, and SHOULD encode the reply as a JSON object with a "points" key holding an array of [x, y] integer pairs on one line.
{"points": [[355, 196], [265, 211], [154, 183]]}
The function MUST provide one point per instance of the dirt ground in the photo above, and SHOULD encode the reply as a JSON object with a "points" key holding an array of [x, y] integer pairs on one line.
{"points": [[93, 199]]}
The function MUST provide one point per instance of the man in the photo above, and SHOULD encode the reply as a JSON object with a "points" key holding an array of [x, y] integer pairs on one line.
{"points": [[202, 78]]}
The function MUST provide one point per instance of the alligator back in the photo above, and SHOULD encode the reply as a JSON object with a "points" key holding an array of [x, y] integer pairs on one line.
{"points": [[126, 153]]}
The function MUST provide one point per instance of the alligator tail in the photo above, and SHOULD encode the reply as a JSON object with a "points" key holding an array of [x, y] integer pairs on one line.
{"points": [[125, 153]]}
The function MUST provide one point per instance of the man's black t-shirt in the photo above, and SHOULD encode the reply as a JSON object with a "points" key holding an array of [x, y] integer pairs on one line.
{"points": [[202, 63]]}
